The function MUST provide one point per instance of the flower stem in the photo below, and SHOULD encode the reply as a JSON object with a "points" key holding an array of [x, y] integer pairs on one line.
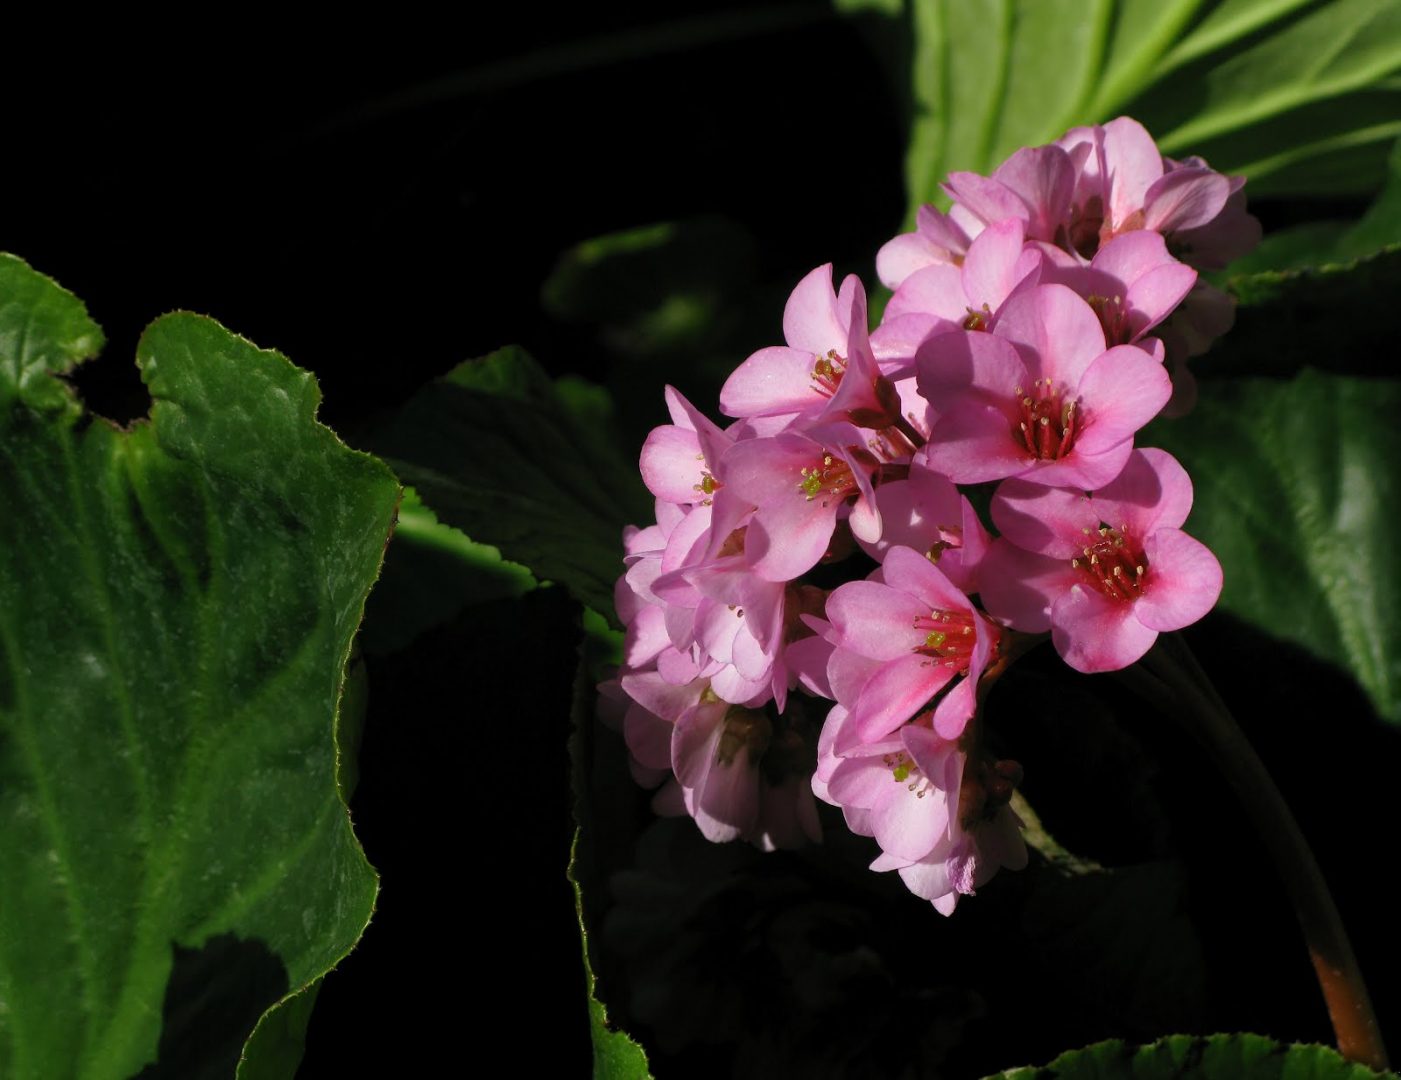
{"points": [[1178, 675]]}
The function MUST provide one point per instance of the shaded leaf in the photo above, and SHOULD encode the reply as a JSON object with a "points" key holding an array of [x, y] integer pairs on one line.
{"points": [[1324, 318], [177, 604], [1241, 1057], [1298, 486], [431, 572], [498, 452]]}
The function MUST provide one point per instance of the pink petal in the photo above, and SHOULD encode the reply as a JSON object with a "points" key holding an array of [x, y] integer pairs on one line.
{"points": [[875, 620], [935, 290], [1093, 633], [975, 443], [810, 318], [1048, 521], [988, 200], [912, 573], [895, 693], [1058, 333], [1153, 492], [772, 381], [1122, 390], [1020, 587], [672, 463], [1184, 199], [1183, 583], [1042, 176], [648, 737], [1132, 162]]}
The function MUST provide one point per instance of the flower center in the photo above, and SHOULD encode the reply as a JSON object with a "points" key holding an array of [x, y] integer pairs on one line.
{"points": [[948, 638], [745, 729], [708, 486], [977, 319], [1114, 317], [1115, 562], [1049, 423], [827, 373], [830, 478], [903, 770]]}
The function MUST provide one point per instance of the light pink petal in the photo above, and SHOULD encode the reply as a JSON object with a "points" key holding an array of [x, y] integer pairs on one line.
{"points": [[908, 823], [728, 805], [807, 659], [956, 708], [986, 199], [1093, 633], [687, 542], [993, 264], [712, 440], [1044, 179], [976, 365], [788, 538], [655, 694], [1020, 587], [928, 878], [1049, 521], [1183, 581], [912, 573], [729, 685], [1057, 332], [1122, 390], [1128, 257], [906, 254], [810, 318], [1154, 296], [860, 781], [935, 290], [1082, 470], [1132, 163], [677, 667], [974, 444], [750, 658], [1153, 492], [896, 340], [874, 620], [672, 464], [1184, 199], [648, 737], [895, 693], [645, 637], [848, 673], [772, 381]]}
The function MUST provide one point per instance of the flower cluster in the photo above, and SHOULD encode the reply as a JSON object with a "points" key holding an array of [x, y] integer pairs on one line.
{"points": [[1027, 342]]}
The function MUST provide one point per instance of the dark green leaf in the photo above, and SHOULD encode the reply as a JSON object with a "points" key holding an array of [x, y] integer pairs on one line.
{"points": [[499, 453], [1298, 492], [178, 607], [1198, 1057], [1324, 318], [431, 572]]}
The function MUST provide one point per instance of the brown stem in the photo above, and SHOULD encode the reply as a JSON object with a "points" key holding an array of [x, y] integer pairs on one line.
{"points": [[1200, 708], [907, 429]]}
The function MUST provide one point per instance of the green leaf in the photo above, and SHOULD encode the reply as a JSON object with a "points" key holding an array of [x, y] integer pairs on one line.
{"points": [[1184, 1057], [177, 604], [1324, 318], [1381, 224], [1298, 492], [615, 1055], [1235, 81], [277, 1044], [431, 572], [500, 453]]}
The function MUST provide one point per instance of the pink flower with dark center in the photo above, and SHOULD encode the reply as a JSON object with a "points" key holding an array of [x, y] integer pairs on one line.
{"points": [[680, 459], [915, 633], [1104, 573], [1040, 397], [1132, 283], [827, 372], [940, 817], [998, 264], [798, 486]]}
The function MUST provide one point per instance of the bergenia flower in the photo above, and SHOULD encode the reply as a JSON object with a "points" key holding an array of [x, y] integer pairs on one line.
{"points": [[919, 633], [1104, 573], [827, 371], [1040, 397]]}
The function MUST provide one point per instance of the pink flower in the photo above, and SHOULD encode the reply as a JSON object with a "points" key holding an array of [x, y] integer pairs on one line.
{"points": [[827, 372], [1104, 573], [938, 240], [914, 633], [940, 817], [1040, 397], [799, 483]]}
